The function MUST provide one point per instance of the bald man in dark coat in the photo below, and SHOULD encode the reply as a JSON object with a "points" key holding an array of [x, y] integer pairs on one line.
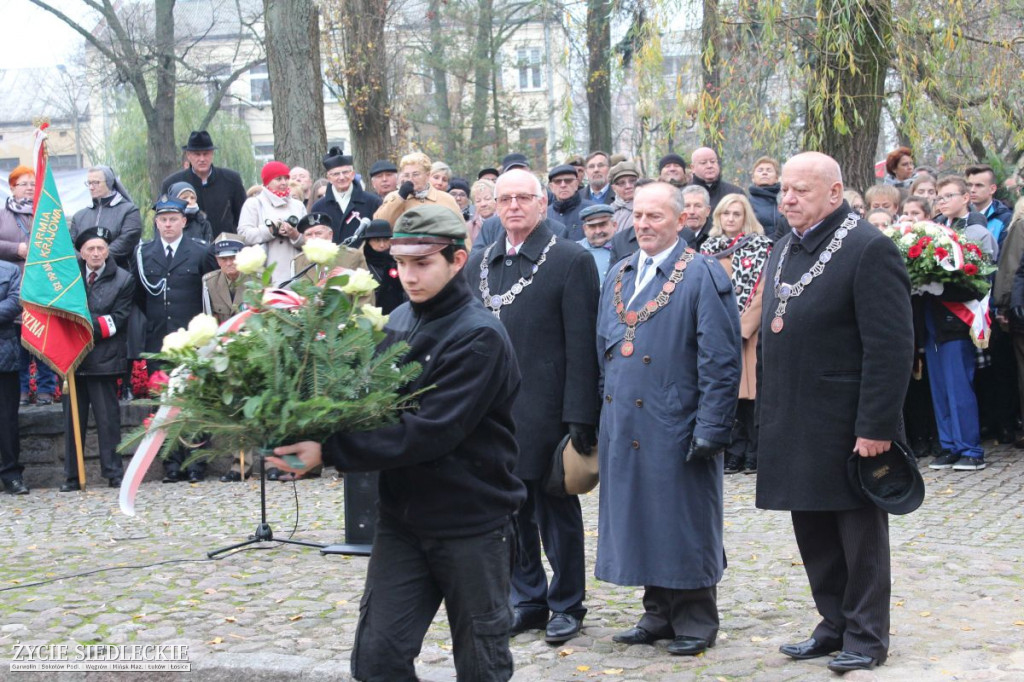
{"points": [[834, 362]]}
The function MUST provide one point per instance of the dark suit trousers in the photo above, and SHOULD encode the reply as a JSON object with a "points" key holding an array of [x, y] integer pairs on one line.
{"points": [[10, 444], [670, 613], [558, 523], [846, 556], [101, 393]]}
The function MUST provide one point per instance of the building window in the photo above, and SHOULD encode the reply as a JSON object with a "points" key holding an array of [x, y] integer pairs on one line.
{"points": [[63, 162], [530, 75], [263, 152], [8, 164], [534, 142], [259, 84]]}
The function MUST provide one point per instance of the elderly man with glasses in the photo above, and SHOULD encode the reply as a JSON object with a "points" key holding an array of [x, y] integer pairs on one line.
{"points": [[564, 185], [545, 291]]}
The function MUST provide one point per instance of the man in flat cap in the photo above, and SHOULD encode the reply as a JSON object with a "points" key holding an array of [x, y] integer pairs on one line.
{"points": [[383, 177], [598, 229], [169, 290], [318, 226], [346, 202], [457, 445], [219, 191], [564, 185], [109, 292]]}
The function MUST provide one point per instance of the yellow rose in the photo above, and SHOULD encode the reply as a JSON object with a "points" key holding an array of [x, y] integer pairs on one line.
{"points": [[251, 260], [201, 329], [175, 341], [375, 316], [359, 282], [321, 251]]}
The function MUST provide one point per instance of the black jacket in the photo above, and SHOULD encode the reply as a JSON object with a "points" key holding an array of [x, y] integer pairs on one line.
{"points": [[608, 197], [344, 223], [696, 239], [174, 307], [717, 189], [765, 202], [110, 304], [390, 294], [623, 244], [553, 327], [221, 198], [446, 467]]}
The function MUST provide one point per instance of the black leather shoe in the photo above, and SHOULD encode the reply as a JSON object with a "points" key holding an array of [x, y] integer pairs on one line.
{"points": [[115, 482], [70, 486], [16, 487], [273, 474], [527, 619], [636, 635], [196, 477], [810, 648], [231, 477], [733, 464], [687, 646], [850, 660], [172, 476], [561, 628]]}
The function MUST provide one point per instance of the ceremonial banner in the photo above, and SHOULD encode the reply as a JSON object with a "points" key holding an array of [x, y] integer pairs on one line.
{"points": [[56, 324]]}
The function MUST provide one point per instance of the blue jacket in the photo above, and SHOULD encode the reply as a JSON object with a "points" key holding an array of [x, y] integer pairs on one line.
{"points": [[10, 317]]}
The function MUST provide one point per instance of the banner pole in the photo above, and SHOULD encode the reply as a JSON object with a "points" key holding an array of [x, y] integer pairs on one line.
{"points": [[73, 397]]}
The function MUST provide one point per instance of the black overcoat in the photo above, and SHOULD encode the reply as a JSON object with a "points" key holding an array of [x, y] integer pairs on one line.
{"points": [[838, 369], [552, 325], [345, 223], [182, 299], [221, 198], [111, 297]]}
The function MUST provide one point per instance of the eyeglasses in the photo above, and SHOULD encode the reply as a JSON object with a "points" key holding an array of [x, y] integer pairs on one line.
{"points": [[625, 182], [25, 184], [947, 197], [458, 194], [334, 175], [563, 181], [93, 183], [521, 199]]}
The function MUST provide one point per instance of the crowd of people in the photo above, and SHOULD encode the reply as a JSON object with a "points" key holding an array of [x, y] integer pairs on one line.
{"points": [[680, 326]]}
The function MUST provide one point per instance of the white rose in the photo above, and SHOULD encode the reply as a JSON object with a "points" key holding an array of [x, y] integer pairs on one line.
{"points": [[909, 239], [202, 329], [375, 316], [359, 282], [321, 251], [176, 341], [251, 260]]}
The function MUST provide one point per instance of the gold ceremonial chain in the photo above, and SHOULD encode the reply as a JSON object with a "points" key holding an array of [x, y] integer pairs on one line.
{"points": [[632, 318], [494, 303], [784, 291]]}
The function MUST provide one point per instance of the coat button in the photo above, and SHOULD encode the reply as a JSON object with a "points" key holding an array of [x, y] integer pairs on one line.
{"points": [[636, 445], [647, 359], [607, 398], [639, 403]]}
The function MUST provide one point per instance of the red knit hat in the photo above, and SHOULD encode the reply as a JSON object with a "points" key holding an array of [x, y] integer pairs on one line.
{"points": [[16, 174], [274, 169]]}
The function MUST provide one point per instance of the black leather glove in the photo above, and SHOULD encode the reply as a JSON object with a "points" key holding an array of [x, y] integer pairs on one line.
{"points": [[583, 437], [406, 190], [704, 449]]}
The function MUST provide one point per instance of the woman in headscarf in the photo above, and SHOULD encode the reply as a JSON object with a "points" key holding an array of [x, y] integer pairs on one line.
{"points": [[270, 219], [198, 225], [15, 228], [738, 241], [113, 209]]}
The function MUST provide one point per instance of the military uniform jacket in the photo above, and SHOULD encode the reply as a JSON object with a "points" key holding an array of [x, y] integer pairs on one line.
{"points": [[175, 293], [218, 299], [661, 516], [838, 369], [110, 303], [552, 324]]}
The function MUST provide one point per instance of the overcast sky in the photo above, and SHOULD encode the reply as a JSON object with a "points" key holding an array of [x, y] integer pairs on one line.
{"points": [[32, 37]]}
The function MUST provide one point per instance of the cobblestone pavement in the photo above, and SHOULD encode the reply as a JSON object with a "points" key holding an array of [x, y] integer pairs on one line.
{"points": [[281, 612]]}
